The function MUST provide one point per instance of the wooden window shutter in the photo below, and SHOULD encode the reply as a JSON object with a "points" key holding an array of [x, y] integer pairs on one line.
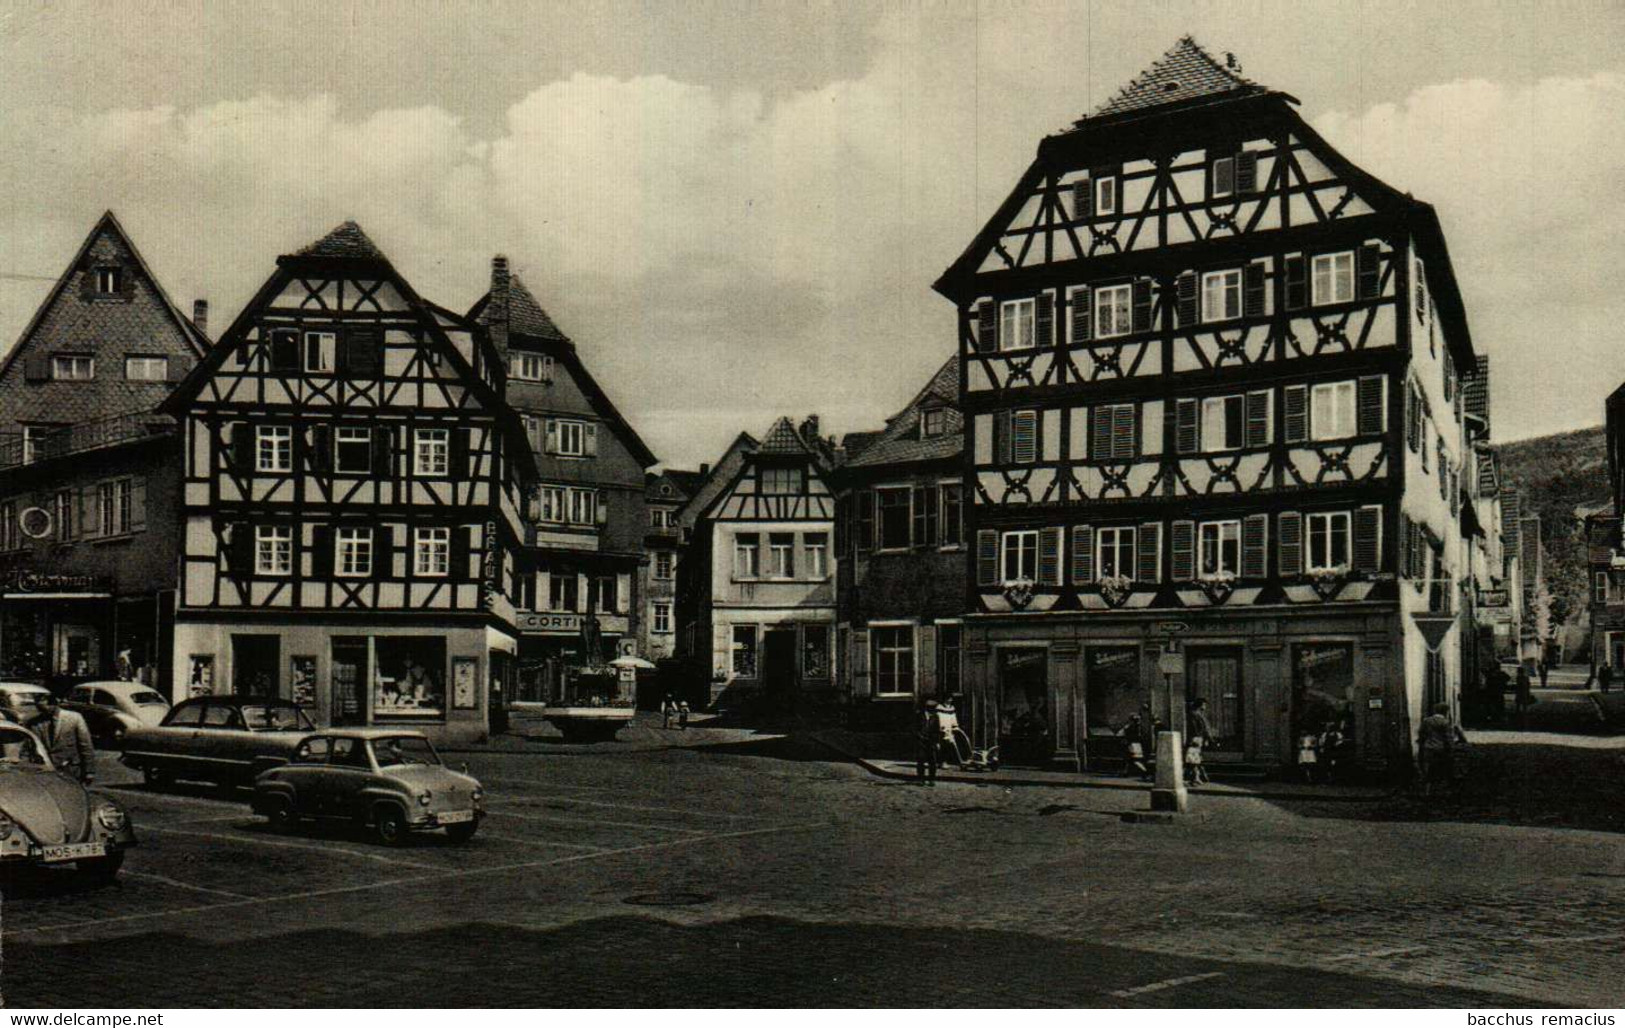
{"points": [[1123, 434], [1235, 422], [240, 549], [242, 446], [1142, 305], [1368, 539], [1024, 436], [1045, 319], [589, 435], [1367, 272], [284, 349], [1083, 554], [987, 557], [925, 668], [138, 503], [1369, 404], [37, 369], [1297, 282], [552, 435], [321, 448], [1001, 436], [1255, 530], [1182, 551], [383, 451], [1083, 198], [1185, 291], [1101, 444], [1186, 439], [987, 327], [1082, 314], [383, 551], [1413, 417], [325, 555], [1295, 399], [457, 452], [1049, 556], [1252, 290], [1290, 551], [859, 662], [1246, 172], [1258, 418], [363, 352], [464, 547], [865, 500], [1148, 552], [90, 520]]}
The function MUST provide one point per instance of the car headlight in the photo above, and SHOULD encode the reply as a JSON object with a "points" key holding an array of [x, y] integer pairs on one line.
{"points": [[7, 826], [478, 794], [425, 796], [112, 818]]}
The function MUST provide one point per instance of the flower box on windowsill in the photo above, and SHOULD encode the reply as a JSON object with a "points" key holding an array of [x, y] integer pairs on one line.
{"points": [[1019, 591], [1115, 588]]}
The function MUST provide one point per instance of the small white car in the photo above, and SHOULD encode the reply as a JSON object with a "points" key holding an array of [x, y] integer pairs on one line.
{"points": [[112, 709], [19, 701]]}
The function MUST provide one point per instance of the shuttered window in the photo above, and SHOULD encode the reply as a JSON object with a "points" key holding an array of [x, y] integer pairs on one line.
{"points": [[1116, 549], [1368, 539], [1045, 319], [1372, 402], [1186, 307], [987, 557], [1049, 556], [1252, 290], [1246, 172], [1182, 551], [1024, 436], [1082, 200], [987, 327], [1330, 540], [1081, 314], [1259, 429], [1083, 555], [1255, 545], [1289, 532], [1369, 271], [1296, 401], [1150, 555], [1114, 431], [1297, 283], [1185, 426], [1142, 305]]}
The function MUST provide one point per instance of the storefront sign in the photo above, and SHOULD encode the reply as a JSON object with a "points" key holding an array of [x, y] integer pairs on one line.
{"points": [[1494, 598], [491, 569], [567, 623], [1171, 662], [1172, 627], [42, 582]]}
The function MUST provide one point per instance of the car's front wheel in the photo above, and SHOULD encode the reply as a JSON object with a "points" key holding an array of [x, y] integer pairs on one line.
{"points": [[462, 832], [155, 777], [390, 826], [280, 813], [102, 869]]}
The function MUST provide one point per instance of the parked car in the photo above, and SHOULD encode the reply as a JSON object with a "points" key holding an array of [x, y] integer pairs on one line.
{"points": [[227, 740], [389, 778], [47, 818], [111, 709], [19, 701]]}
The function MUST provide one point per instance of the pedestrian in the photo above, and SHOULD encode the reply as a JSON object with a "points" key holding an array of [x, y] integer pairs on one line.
{"points": [[1133, 735], [1309, 756], [1605, 677], [1200, 730], [1496, 681], [67, 740], [682, 715], [668, 710], [1437, 741], [1525, 697], [928, 744]]}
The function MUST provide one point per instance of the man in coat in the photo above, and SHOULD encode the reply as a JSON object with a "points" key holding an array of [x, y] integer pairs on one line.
{"points": [[929, 742], [67, 740]]}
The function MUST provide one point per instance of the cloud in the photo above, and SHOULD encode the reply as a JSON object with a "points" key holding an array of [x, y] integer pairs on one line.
{"points": [[1521, 176]]}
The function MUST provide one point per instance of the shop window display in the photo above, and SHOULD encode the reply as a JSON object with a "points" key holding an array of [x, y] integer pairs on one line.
{"points": [[815, 652], [411, 676]]}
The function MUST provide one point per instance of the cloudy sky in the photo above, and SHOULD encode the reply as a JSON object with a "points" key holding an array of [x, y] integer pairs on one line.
{"points": [[737, 209]]}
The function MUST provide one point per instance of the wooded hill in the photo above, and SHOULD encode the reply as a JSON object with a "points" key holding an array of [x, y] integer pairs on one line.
{"points": [[1557, 473]]}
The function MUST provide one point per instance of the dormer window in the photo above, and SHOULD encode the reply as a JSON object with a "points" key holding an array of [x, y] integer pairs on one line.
{"points": [[109, 281], [933, 422], [73, 368], [532, 367]]}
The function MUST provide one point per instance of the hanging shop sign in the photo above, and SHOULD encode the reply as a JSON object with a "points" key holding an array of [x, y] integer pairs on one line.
{"points": [[24, 581]]}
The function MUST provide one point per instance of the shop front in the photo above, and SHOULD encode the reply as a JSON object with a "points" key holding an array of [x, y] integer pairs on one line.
{"points": [[438, 679], [554, 647], [64, 628]]}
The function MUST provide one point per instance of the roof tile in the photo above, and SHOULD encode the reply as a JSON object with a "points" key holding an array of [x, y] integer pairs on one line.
{"points": [[1186, 72], [348, 242]]}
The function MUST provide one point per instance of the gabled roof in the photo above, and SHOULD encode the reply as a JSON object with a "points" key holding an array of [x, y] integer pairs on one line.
{"points": [[783, 441], [688, 481], [1185, 74], [346, 242], [108, 222], [900, 442]]}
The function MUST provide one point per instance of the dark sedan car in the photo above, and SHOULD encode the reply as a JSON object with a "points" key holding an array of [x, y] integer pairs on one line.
{"points": [[222, 739]]}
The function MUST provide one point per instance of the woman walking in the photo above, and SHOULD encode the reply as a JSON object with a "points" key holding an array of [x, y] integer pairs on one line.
{"points": [[1201, 733]]}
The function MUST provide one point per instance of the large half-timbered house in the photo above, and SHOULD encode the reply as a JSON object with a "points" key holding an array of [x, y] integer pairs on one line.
{"points": [[1212, 376], [352, 501], [90, 471]]}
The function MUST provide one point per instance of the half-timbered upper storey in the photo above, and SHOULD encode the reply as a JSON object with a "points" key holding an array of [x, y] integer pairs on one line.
{"points": [[347, 446]]}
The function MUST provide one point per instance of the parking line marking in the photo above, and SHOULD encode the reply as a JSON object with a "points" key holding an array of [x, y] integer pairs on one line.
{"points": [[204, 820], [635, 806], [593, 821], [1603, 937], [282, 844], [183, 885], [444, 876], [548, 784], [1391, 951], [542, 842], [1167, 983]]}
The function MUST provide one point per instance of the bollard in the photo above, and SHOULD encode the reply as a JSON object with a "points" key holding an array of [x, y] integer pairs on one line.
{"points": [[1168, 794]]}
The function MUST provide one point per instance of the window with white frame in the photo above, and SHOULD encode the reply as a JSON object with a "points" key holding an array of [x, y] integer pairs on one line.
{"points": [[1221, 295], [1223, 422], [551, 504], [1599, 587], [933, 422], [114, 506], [572, 438], [352, 451], [1019, 555], [1332, 278], [1220, 548], [893, 660], [661, 517], [1106, 194], [662, 619], [1332, 410], [1114, 552], [563, 591], [273, 550], [146, 369], [747, 555], [273, 448], [952, 514], [1329, 541], [33, 438], [431, 552], [781, 554], [353, 548], [321, 349], [532, 367], [664, 564], [816, 544], [533, 430], [62, 507], [431, 452], [73, 368], [893, 510], [1016, 331], [780, 481], [108, 280], [583, 506], [744, 651], [1114, 311]]}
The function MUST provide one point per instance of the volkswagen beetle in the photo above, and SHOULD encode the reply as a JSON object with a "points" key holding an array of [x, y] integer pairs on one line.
{"points": [[389, 778], [47, 818]]}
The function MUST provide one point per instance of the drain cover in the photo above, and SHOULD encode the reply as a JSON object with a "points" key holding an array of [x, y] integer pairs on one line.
{"points": [[668, 899]]}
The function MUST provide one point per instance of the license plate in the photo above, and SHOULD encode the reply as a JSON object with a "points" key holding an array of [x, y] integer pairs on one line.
{"points": [[73, 851], [452, 817]]}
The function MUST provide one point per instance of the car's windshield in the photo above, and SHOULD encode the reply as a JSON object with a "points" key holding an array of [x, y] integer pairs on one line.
{"points": [[17, 747], [265, 717], [148, 699], [404, 749], [25, 702]]}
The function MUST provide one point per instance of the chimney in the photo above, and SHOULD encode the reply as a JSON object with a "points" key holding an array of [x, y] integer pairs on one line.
{"points": [[497, 310], [200, 315], [809, 431], [705, 469]]}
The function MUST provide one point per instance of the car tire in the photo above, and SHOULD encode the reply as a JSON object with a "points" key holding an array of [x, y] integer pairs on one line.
{"points": [[114, 740], [155, 777], [279, 813], [390, 826], [462, 832], [102, 869]]}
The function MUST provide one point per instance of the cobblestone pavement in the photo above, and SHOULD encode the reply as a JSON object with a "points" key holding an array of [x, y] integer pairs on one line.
{"points": [[779, 877]]}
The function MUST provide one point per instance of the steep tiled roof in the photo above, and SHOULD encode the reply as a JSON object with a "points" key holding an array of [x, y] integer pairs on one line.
{"points": [[901, 442], [855, 443], [1186, 72], [688, 481], [783, 440], [526, 316], [348, 242]]}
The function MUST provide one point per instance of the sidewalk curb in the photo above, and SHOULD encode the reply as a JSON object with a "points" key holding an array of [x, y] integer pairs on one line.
{"points": [[1229, 792]]}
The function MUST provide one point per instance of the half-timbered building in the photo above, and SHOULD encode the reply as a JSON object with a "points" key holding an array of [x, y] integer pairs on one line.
{"points": [[757, 587], [584, 551], [352, 494], [90, 471], [900, 558], [664, 540], [1212, 377]]}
